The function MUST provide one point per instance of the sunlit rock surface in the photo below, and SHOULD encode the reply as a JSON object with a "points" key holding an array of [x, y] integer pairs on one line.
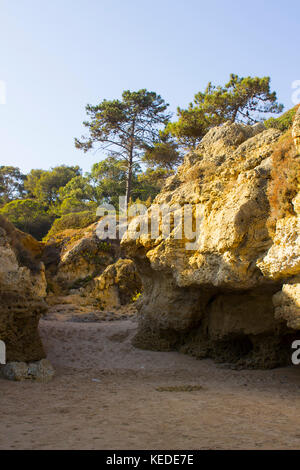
{"points": [[216, 299]]}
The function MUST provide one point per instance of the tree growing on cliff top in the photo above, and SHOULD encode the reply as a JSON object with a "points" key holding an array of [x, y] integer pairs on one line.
{"points": [[126, 128], [242, 99]]}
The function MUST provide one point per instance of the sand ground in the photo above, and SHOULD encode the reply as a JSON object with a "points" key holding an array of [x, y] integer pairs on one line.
{"points": [[108, 395]]}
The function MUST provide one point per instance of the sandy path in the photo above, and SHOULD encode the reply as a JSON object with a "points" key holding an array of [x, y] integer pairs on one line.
{"points": [[104, 397]]}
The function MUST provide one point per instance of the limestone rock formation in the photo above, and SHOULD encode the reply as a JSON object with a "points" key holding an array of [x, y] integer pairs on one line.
{"points": [[213, 297], [282, 261], [79, 264], [74, 257], [117, 285], [22, 294], [287, 304]]}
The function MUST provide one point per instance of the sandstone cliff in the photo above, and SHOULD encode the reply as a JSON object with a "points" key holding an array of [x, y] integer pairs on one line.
{"points": [[22, 293], [234, 295], [73, 257], [79, 264]]}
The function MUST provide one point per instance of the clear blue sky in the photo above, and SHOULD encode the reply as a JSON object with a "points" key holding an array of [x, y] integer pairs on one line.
{"points": [[58, 55]]}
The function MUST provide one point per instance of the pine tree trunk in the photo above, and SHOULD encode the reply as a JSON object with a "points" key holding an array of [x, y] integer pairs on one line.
{"points": [[129, 180], [130, 166]]}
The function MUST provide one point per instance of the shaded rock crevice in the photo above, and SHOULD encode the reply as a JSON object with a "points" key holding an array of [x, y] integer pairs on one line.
{"points": [[233, 327]]}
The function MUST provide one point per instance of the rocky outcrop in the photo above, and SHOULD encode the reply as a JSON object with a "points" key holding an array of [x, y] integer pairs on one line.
{"points": [[282, 260], [287, 304], [74, 257], [79, 264], [22, 294], [116, 286], [218, 296]]}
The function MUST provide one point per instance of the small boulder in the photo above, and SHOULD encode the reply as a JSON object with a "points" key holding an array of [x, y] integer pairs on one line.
{"points": [[17, 371], [39, 371]]}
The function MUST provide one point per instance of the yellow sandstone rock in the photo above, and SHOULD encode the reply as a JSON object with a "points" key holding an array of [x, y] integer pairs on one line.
{"points": [[215, 299]]}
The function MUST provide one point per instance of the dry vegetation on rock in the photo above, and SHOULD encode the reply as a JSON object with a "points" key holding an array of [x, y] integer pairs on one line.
{"points": [[285, 179]]}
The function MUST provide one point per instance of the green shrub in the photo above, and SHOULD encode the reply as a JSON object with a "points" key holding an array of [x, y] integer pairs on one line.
{"points": [[70, 205], [284, 122], [29, 216], [72, 221]]}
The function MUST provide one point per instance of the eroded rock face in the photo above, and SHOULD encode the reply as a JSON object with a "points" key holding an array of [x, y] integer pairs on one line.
{"points": [[79, 263], [22, 294], [116, 286], [282, 261], [75, 257], [216, 298], [287, 304]]}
